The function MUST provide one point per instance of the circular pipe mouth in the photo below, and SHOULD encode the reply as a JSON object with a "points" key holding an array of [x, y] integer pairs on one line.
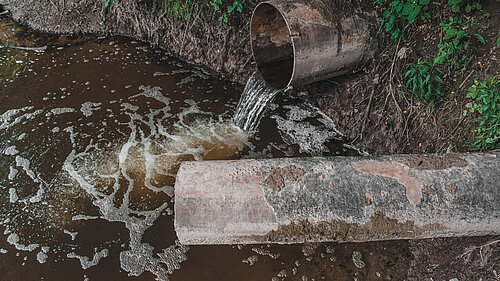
{"points": [[272, 45]]}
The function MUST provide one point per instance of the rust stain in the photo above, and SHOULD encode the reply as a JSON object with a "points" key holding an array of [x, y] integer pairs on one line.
{"points": [[369, 199], [453, 189], [277, 176], [447, 161], [430, 190], [488, 154], [394, 170]]}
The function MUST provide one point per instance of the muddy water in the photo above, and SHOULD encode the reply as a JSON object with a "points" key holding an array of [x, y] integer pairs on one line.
{"points": [[91, 136]]}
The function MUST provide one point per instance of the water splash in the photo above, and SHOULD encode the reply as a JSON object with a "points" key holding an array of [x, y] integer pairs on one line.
{"points": [[256, 95]]}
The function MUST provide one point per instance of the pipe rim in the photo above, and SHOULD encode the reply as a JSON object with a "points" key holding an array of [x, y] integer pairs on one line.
{"points": [[252, 31]]}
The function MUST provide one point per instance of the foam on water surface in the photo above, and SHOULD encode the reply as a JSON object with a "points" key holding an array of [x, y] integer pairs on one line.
{"points": [[89, 161]]}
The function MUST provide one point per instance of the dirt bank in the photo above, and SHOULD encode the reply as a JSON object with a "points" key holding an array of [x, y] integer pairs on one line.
{"points": [[202, 39], [365, 106]]}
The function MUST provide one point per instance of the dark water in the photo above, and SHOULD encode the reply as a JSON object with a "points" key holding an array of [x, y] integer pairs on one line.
{"points": [[91, 136]]}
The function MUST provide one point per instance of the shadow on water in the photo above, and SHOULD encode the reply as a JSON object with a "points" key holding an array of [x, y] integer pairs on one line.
{"points": [[91, 137]]}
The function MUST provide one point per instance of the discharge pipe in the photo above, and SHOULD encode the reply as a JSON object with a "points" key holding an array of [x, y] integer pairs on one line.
{"points": [[342, 199], [293, 44]]}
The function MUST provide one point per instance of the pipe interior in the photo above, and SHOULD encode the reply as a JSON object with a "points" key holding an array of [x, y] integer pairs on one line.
{"points": [[272, 46]]}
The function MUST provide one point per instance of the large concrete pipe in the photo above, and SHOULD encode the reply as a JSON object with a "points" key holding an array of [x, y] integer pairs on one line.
{"points": [[293, 44], [343, 199]]}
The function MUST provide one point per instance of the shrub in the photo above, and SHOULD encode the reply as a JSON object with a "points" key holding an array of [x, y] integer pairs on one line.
{"points": [[424, 80], [226, 8], [457, 50], [469, 5], [486, 103], [399, 13]]}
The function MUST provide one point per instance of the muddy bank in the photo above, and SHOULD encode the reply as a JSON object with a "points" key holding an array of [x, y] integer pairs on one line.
{"points": [[202, 40]]}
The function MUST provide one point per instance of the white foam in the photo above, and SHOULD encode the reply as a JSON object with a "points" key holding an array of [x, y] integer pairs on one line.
{"points": [[86, 262], [41, 257], [89, 107], [13, 195], [12, 173], [72, 234], [11, 150], [13, 239], [62, 110], [251, 260], [25, 164]]}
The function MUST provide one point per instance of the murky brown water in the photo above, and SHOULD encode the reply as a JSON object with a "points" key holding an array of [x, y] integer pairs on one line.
{"points": [[91, 136]]}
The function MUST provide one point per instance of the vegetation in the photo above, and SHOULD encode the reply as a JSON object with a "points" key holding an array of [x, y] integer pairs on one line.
{"points": [[434, 75], [485, 97], [227, 8], [457, 50], [424, 80], [397, 15], [178, 9]]}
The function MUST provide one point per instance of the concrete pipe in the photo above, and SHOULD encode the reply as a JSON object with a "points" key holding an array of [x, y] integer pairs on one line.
{"points": [[293, 44], [343, 199]]}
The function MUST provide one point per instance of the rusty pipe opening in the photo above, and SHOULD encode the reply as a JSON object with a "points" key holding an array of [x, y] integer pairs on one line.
{"points": [[293, 44], [272, 46]]}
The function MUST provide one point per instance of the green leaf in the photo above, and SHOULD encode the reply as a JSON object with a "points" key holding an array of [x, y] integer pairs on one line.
{"points": [[450, 33], [394, 3], [389, 25], [408, 8], [455, 8], [414, 13], [424, 2], [480, 38]]}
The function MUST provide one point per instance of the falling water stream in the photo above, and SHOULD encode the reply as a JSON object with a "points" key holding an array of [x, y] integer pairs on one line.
{"points": [[254, 99], [91, 136]]}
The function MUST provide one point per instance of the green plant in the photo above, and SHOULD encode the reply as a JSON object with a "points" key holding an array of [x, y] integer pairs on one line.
{"points": [[457, 50], [109, 2], [424, 79], [498, 38], [220, 6], [486, 103], [177, 9], [469, 5], [400, 13]]}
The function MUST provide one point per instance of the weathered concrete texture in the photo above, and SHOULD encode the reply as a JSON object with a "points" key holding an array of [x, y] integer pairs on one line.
{"points": [[338, 199], [293, 44]]}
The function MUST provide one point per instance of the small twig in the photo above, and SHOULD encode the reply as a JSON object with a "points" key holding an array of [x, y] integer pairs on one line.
{"points": [[4, 13], [367, 113], [466, 78], [390, 76], [471, 249]]}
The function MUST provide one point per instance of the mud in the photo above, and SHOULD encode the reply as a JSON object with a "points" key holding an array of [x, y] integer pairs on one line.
{"points": [[379, 227]]}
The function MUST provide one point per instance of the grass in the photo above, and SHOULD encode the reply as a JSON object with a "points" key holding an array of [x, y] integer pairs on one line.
{"points": [[485, 104]]}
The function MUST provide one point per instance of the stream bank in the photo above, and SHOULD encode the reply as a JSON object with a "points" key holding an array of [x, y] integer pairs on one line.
{"points": [[360, 104]]}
